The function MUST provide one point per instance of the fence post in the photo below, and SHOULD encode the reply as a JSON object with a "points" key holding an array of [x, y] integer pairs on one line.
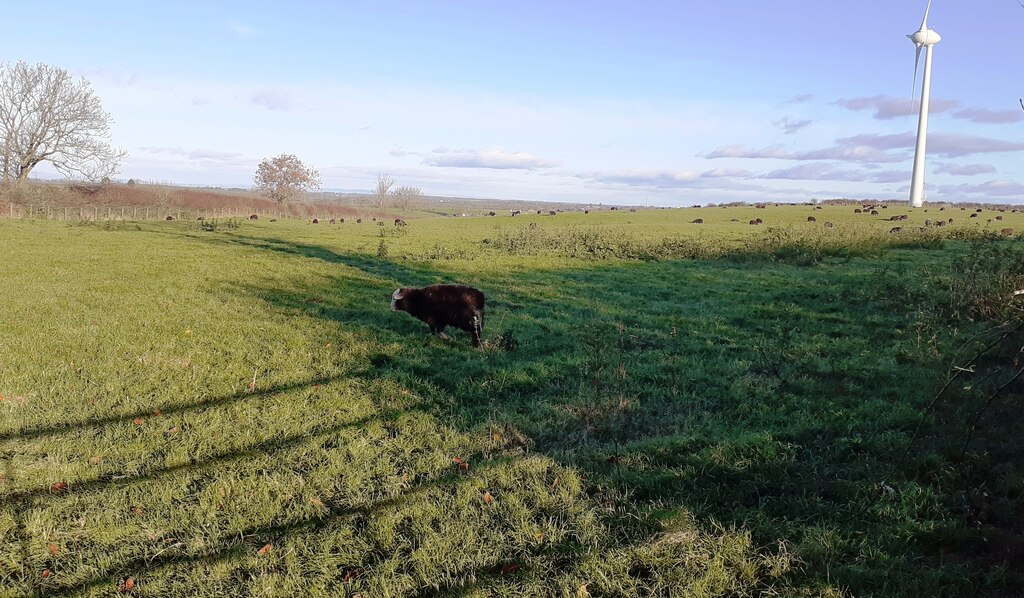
{"points": [[96, 214], [135, 213], [122, 212], [65, 213]]}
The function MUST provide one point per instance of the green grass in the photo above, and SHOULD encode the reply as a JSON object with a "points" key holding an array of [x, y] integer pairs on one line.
{"points": [[175, 400]]}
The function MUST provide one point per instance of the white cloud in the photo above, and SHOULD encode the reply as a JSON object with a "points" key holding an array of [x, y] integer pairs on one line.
{"points": [[243, 30], [496, 158]]}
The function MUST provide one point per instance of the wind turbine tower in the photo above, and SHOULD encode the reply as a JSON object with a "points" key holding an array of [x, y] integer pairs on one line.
{"points": [[924, 38]]}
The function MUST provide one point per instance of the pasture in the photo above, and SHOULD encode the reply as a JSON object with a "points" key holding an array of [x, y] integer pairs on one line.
{"points": [[660, 408]]}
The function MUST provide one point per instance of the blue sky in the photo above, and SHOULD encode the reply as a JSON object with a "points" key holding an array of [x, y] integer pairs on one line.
{"points": [[668, 103]]}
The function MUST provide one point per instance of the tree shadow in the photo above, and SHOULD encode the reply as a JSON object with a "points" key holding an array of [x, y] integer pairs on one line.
{"points": [[646, 378]]}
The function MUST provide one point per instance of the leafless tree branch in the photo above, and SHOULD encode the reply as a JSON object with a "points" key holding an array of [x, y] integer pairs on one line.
{"points": [[48, 116]]}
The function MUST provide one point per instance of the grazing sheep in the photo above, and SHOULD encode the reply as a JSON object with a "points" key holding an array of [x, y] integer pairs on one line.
{"points": [[975, 215], [316, 221], [698, 221], [381, 223], [999, 218], [874, 212], [359, 220], [951, 221], [400, 222], [516, 212], [333, 221], [858, 211], [491, 214], [1006, 232], [829, 225], [811, 219], [254, 217], [552, 213], [443, 305], [895, 230], [940, 223], [169, 218]]}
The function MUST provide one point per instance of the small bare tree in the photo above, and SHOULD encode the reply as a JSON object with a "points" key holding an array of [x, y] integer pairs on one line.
{"points": [[47, 116], [283, 177], [407, 198], [384, 184]]}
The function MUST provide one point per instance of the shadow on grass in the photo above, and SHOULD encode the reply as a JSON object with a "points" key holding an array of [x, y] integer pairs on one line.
{"points": [[646, 378]]}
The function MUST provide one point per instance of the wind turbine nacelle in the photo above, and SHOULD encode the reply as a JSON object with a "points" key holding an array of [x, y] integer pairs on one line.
{"points": [[925, 37]]}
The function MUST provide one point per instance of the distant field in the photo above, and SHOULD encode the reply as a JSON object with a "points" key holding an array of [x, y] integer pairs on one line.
{"points": [[229, 407]]}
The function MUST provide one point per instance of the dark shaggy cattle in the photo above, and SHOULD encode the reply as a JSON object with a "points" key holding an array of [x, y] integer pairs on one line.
{"points": [[811, 219], [400, 222], [699, 221], [315, 221], [254, 217], [1006, 232], [443, 305]]}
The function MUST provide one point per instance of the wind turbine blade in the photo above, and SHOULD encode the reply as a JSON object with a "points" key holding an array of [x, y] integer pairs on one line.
{"points": [[924, 22], [913, 92]]}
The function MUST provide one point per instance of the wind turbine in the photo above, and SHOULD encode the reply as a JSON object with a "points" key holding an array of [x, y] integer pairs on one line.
{"points": [[924, 38]]}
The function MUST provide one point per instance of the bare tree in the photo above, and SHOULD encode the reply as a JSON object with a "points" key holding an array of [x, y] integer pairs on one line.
{"points": [[384, 184], [407, 198], [47, 116], [283, 177]]}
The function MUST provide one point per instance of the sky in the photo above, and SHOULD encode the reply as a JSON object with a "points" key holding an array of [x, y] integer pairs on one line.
{"points": [[661, 103]]}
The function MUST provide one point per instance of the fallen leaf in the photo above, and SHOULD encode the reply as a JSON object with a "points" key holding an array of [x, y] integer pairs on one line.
{"points": [[495, 436], [52, 549], [266, 548], [157, 413], [95, 460], [46, 573], [188, 331], [488, 499], [317, 502], [137, 511], [173, 430], [457, 461], [582, 592], [510, 568], [539, 536], [59, 488], [126, 585], [137, 421], [463, 467], [350, 575]]}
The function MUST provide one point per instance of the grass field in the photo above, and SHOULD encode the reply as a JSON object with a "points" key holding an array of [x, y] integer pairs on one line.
{"points": [[233, 410]]}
